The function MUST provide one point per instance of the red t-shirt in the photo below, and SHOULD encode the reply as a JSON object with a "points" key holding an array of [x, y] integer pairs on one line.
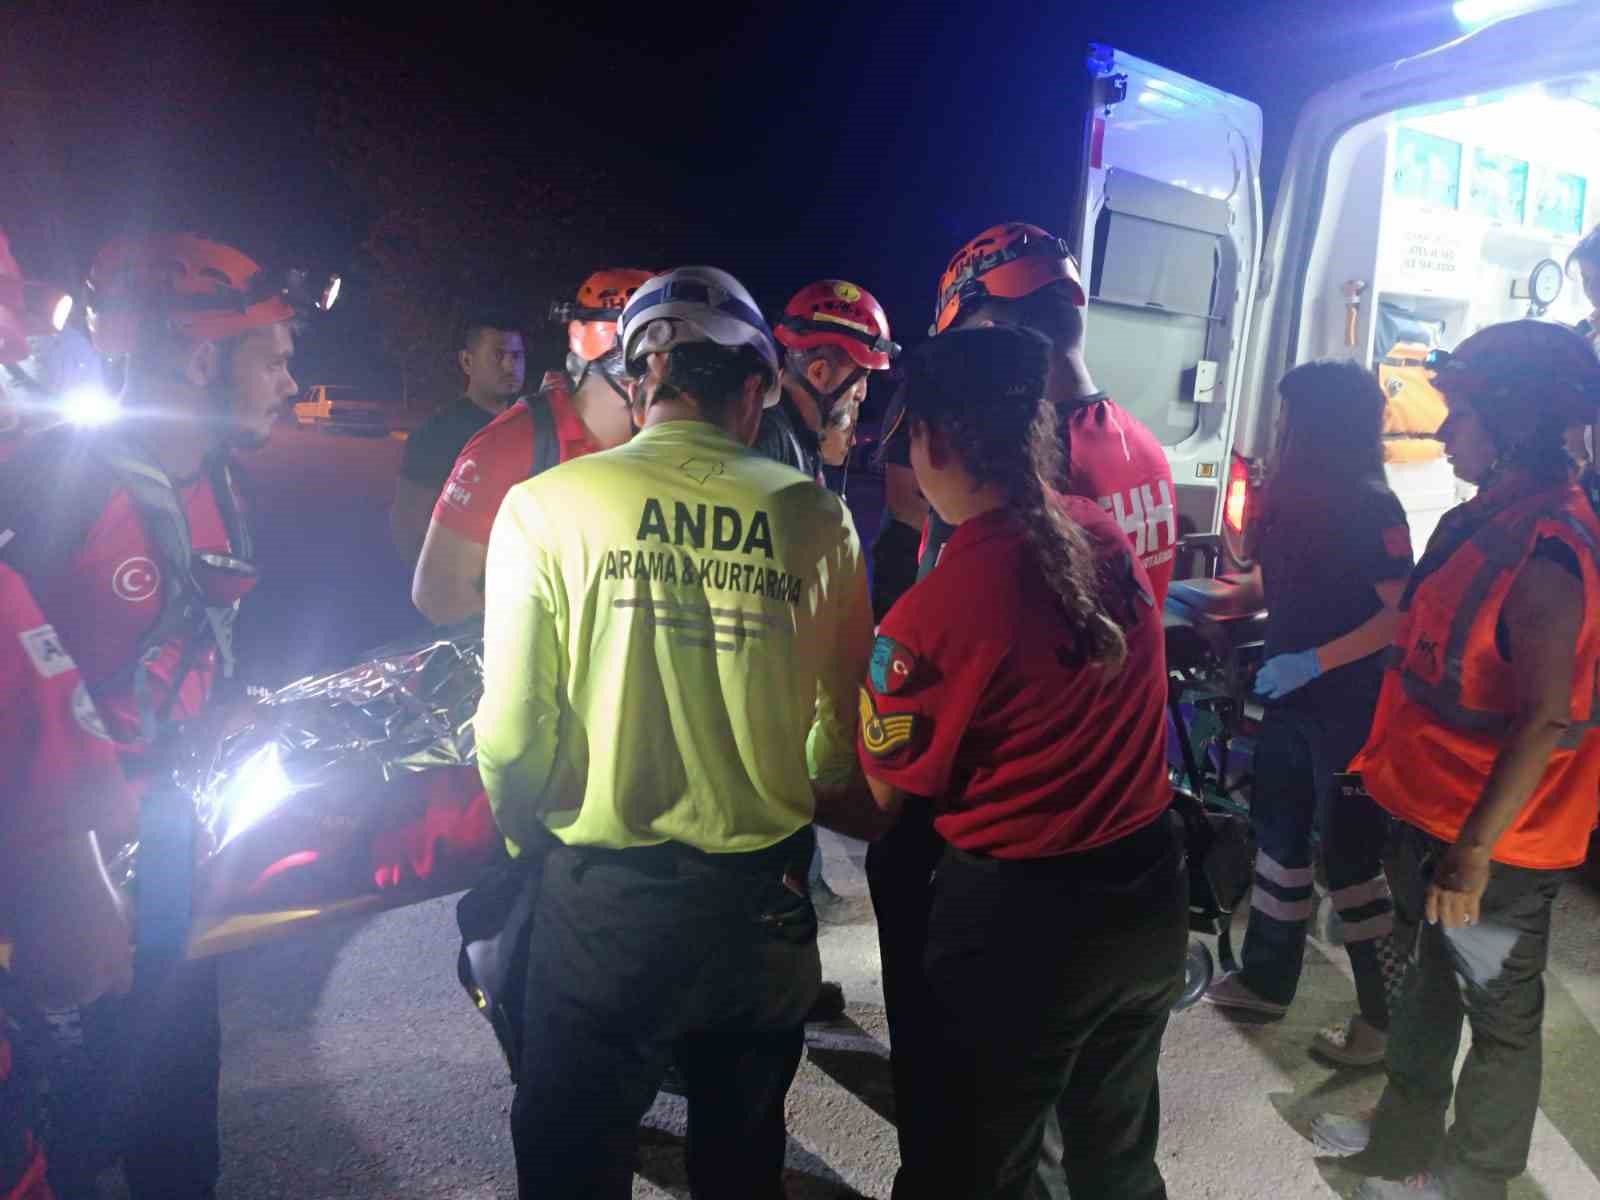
{"points": [[500, 456], [972, 701], [1118, 462]]}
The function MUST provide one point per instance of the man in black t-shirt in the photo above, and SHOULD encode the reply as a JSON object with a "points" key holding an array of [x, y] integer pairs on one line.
{"points": [[493, 360]]}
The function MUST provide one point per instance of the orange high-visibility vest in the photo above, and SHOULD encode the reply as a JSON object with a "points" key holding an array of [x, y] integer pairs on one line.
{"points": [[1448, 698]]}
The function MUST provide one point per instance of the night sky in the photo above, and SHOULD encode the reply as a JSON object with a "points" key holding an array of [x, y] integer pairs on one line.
{"points": [[513, 146]]}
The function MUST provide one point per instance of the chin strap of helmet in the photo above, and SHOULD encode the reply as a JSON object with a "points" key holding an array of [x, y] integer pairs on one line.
{"points": [[827, 401], [578, 369]]}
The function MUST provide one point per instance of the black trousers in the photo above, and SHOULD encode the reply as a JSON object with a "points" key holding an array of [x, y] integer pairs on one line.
{"points": [[900, 869], [138, 1080], [1051, 982], [1296, 759], [1491, 975], [639, 957]]}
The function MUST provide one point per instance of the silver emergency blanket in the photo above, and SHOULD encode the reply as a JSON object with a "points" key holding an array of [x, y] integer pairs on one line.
{"points": [[342, 794]]}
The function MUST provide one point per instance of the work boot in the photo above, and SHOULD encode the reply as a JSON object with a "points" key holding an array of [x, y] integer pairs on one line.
{"points": [[834, 909], [829, 1004], [1353, 1043], [673, 1082]]}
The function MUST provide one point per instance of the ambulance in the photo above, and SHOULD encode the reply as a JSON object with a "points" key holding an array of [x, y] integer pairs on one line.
{"points": [[1420, 202]]}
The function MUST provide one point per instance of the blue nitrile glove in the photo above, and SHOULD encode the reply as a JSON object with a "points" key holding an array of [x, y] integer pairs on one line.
{"points": [[1283, 673]]}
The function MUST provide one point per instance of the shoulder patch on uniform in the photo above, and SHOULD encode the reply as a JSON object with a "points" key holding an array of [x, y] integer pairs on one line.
{"points": [[49, 656], [883, 735], [893, 666]]}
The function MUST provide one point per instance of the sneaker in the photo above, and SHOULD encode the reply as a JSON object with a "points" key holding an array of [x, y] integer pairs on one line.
{"points": [[1335, 1133], [829, 1004], [1353, 1043], [1231, 992], [1426, 1186]]}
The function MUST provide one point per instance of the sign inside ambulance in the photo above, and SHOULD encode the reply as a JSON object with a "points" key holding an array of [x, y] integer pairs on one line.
{"points": [[1427, 252]]}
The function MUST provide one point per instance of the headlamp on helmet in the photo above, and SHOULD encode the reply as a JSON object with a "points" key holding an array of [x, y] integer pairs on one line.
{"points": [[202, 289]]}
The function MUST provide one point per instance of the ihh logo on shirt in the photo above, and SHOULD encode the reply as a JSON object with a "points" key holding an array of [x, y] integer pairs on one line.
{"points": [[1143, 513]]}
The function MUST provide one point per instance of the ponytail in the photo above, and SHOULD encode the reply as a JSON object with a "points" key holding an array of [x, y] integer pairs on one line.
{"points": [[998, 420], [1062, 551]]}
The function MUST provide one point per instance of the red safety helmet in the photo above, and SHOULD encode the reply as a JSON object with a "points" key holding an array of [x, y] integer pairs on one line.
{"points": [[832, 312], [1519, 376], [592, 319], [202, 289], [27, 309], [1007, 262]]}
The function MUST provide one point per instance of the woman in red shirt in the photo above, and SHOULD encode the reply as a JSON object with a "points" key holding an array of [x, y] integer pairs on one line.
{"points": [[1020, 690]]}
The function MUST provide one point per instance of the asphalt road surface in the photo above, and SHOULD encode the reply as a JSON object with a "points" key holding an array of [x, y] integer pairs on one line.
{"points": [[354, 1066]]}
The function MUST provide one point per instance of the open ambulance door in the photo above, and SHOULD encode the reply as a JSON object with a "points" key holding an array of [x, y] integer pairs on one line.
{"points": [[1420, 202], [1169, 233]]}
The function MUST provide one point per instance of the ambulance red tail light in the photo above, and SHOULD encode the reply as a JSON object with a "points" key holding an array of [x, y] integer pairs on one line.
{"points": [[1235, 505]]}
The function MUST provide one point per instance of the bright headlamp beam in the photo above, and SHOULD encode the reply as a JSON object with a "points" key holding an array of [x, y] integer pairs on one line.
{"points": [[89, 405]]}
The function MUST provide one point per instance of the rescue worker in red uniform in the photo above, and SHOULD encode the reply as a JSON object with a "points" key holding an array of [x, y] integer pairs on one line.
{"points": [[137, 562], [992, 684], [1011, 274], [1017, 274], [64, 935], [1486, 751], [834, 333], [583, 410]]}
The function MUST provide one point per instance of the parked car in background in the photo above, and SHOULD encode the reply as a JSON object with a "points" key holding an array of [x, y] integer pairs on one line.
{"points": [[335, 408]]}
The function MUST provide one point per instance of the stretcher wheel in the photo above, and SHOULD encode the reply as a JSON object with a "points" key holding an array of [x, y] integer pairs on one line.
{"points": [[1198, 968]]}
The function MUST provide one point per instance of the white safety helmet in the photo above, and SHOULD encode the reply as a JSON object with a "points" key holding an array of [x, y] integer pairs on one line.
{"points": [[696, 304]]}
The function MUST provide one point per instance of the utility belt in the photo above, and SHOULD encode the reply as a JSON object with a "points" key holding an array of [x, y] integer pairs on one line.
{"points": [[1120, 864], [667, 859]]}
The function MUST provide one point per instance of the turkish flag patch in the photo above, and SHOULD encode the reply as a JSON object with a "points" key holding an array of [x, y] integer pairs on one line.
{"points": [[893, 666], [1397, 541]]}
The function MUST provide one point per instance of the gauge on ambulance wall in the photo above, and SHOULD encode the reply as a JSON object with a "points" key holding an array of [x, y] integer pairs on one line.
{"points": [[1544, 282]]}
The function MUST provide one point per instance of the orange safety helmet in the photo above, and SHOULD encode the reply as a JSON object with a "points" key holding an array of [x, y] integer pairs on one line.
{"points": [[1007, 262], [204, 290], [27, 309], [832, 312], [592, 320]]}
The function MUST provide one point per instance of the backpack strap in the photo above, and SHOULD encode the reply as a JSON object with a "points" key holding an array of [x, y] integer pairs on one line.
{"points": [[50, 498], [80, 473], [546, 441]]}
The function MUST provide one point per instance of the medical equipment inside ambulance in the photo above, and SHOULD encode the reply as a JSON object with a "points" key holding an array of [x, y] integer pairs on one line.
{"points": [[1457, 215]]}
